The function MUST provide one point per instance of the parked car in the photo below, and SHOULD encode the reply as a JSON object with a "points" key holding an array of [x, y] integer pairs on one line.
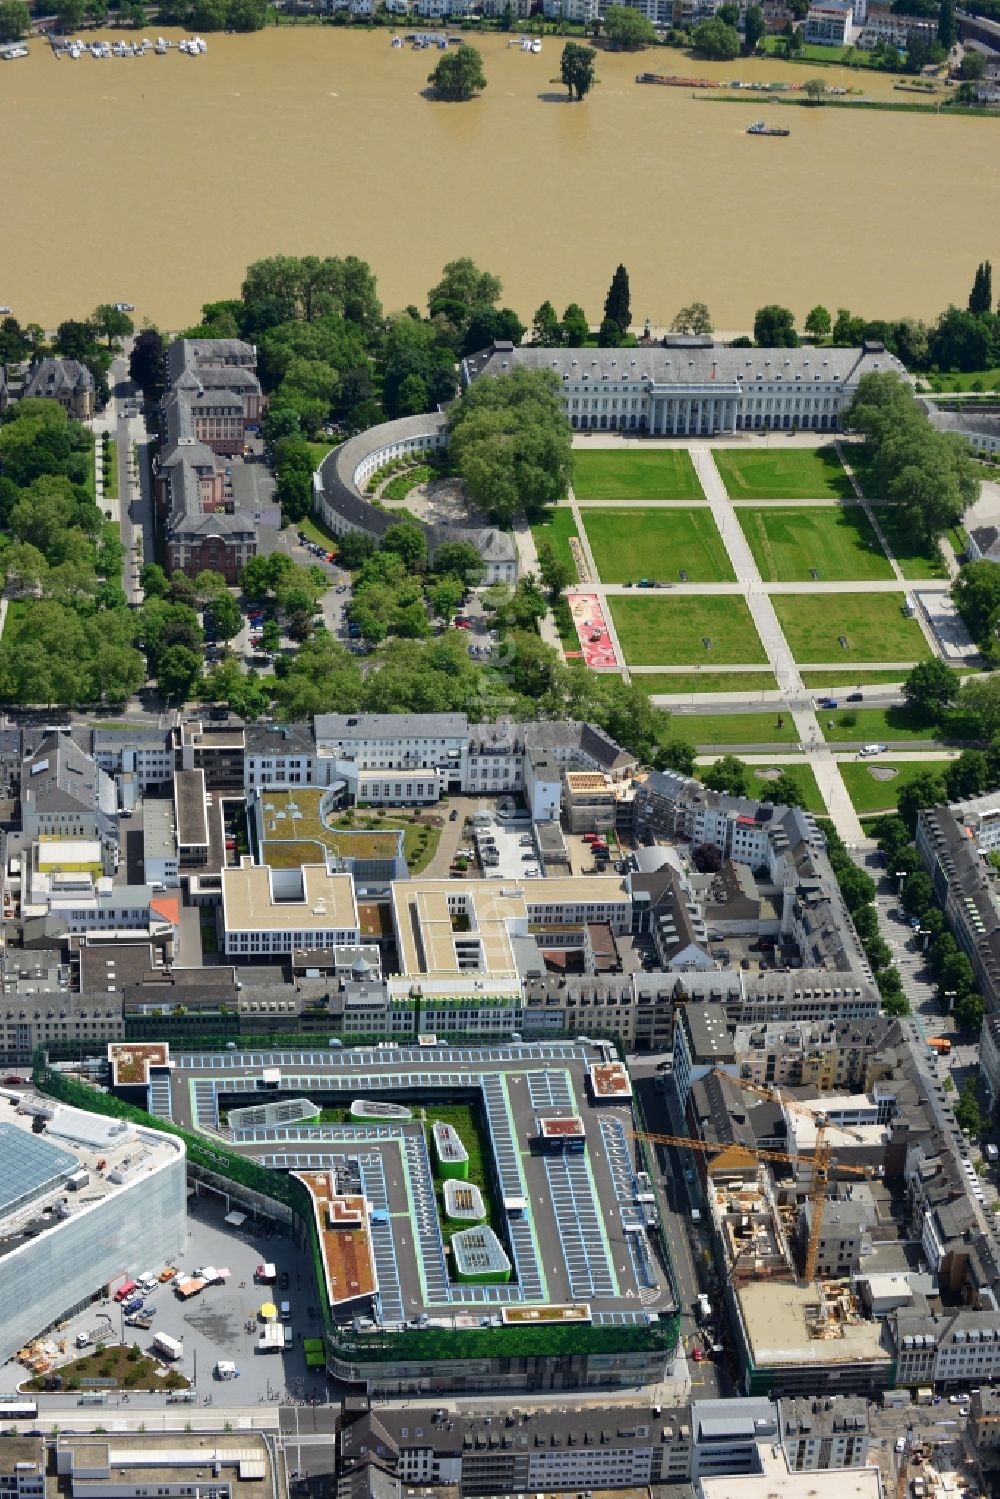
{"points": [[453, 815], [828, 702], [855, 697]]}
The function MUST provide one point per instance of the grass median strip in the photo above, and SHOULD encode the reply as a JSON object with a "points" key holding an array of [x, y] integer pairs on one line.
{"points": [[658, 544], [625, 474], [783, 474], [659, 631], [774, 727], [709, 681]]}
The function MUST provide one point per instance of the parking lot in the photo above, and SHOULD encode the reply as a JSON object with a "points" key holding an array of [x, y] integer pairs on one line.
{"points": [[219, 1323], [506, 848]]}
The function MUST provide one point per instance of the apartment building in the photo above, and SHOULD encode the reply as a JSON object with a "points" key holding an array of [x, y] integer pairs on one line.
{"points": [[834, 1432], [954, 844], [64, 794], [22, 1467], [951, 1350], [692, 386], [64, 380], [703, 1043], [829, 24]]}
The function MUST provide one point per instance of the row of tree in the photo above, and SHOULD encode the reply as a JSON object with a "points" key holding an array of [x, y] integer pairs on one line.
{"points": [[929, 476], [858, 890], [460, 76], [951, 967]]}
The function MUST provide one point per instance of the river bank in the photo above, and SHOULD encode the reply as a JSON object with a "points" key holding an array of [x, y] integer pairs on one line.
{"points": [[937, 107], [156, 182]]}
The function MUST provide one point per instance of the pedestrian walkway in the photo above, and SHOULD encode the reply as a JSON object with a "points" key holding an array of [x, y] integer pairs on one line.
{"points": [[528, 563]]}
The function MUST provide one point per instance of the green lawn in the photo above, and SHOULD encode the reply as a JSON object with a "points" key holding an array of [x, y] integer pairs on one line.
{"points": [[871, 795], [851, 679], [625, 474], [783, 474], [973, 380], [872, 624], [708, 681], [557, 532], [319, 451], [316, 531], [835, 542], [633, 544], [773, 727], [913, 563], [658, 631], [868, 725], [803, 776]]}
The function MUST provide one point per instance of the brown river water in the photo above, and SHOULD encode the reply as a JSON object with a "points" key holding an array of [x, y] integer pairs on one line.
{"points": [[156, 180]]}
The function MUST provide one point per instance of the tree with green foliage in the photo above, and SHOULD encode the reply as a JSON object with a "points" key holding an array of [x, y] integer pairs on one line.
{"points": [[976, 593], [969, 1011], [353, 548], [715, 39], [555, 572], [463, 282], [575, 325], [946, 30], [227, 620], [287, 288], [783, 791], [512, 444], [961, 340], [111, 323], [931, 686], [728, 774], [693, 319], [774, 328], [618, 302], [445, 596], [754, 28], [967, 1113], [459, 75], [576, 69], [981, 295], [459, 559], [818, 322], [675, 754], [929, 476], [15, 19], [967, 776], [815, 90], [925, 790], [628, 30], [69, 14], [546, 329], [408, 542], [178, 668], [895, 1003], [980, 699], [972, 68]]}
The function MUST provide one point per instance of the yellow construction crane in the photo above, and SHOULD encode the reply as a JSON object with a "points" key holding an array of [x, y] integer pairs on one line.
{"points": [[821, 1172], [819, 1163]]}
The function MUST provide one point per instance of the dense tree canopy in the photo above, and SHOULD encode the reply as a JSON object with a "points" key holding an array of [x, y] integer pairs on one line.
{"points": [[928, 475], [628, 29], [716, 39], [774, 328], [576, 69], [511, 443], [459, 74]]}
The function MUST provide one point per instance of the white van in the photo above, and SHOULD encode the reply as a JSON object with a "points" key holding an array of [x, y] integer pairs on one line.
{"points": [[867, 750]]}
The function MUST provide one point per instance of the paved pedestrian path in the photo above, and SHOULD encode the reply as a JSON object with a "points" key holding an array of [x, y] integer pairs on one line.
{"points": [[527, 555]]}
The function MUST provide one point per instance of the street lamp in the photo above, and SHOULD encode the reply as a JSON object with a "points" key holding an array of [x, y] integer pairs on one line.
{"points": [[950, 997], [901, 876]]}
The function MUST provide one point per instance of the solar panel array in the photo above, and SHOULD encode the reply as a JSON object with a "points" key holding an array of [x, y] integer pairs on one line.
{"points": [[159, 1095], [580, 1230], [550, 1090], [425, 1220]]}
